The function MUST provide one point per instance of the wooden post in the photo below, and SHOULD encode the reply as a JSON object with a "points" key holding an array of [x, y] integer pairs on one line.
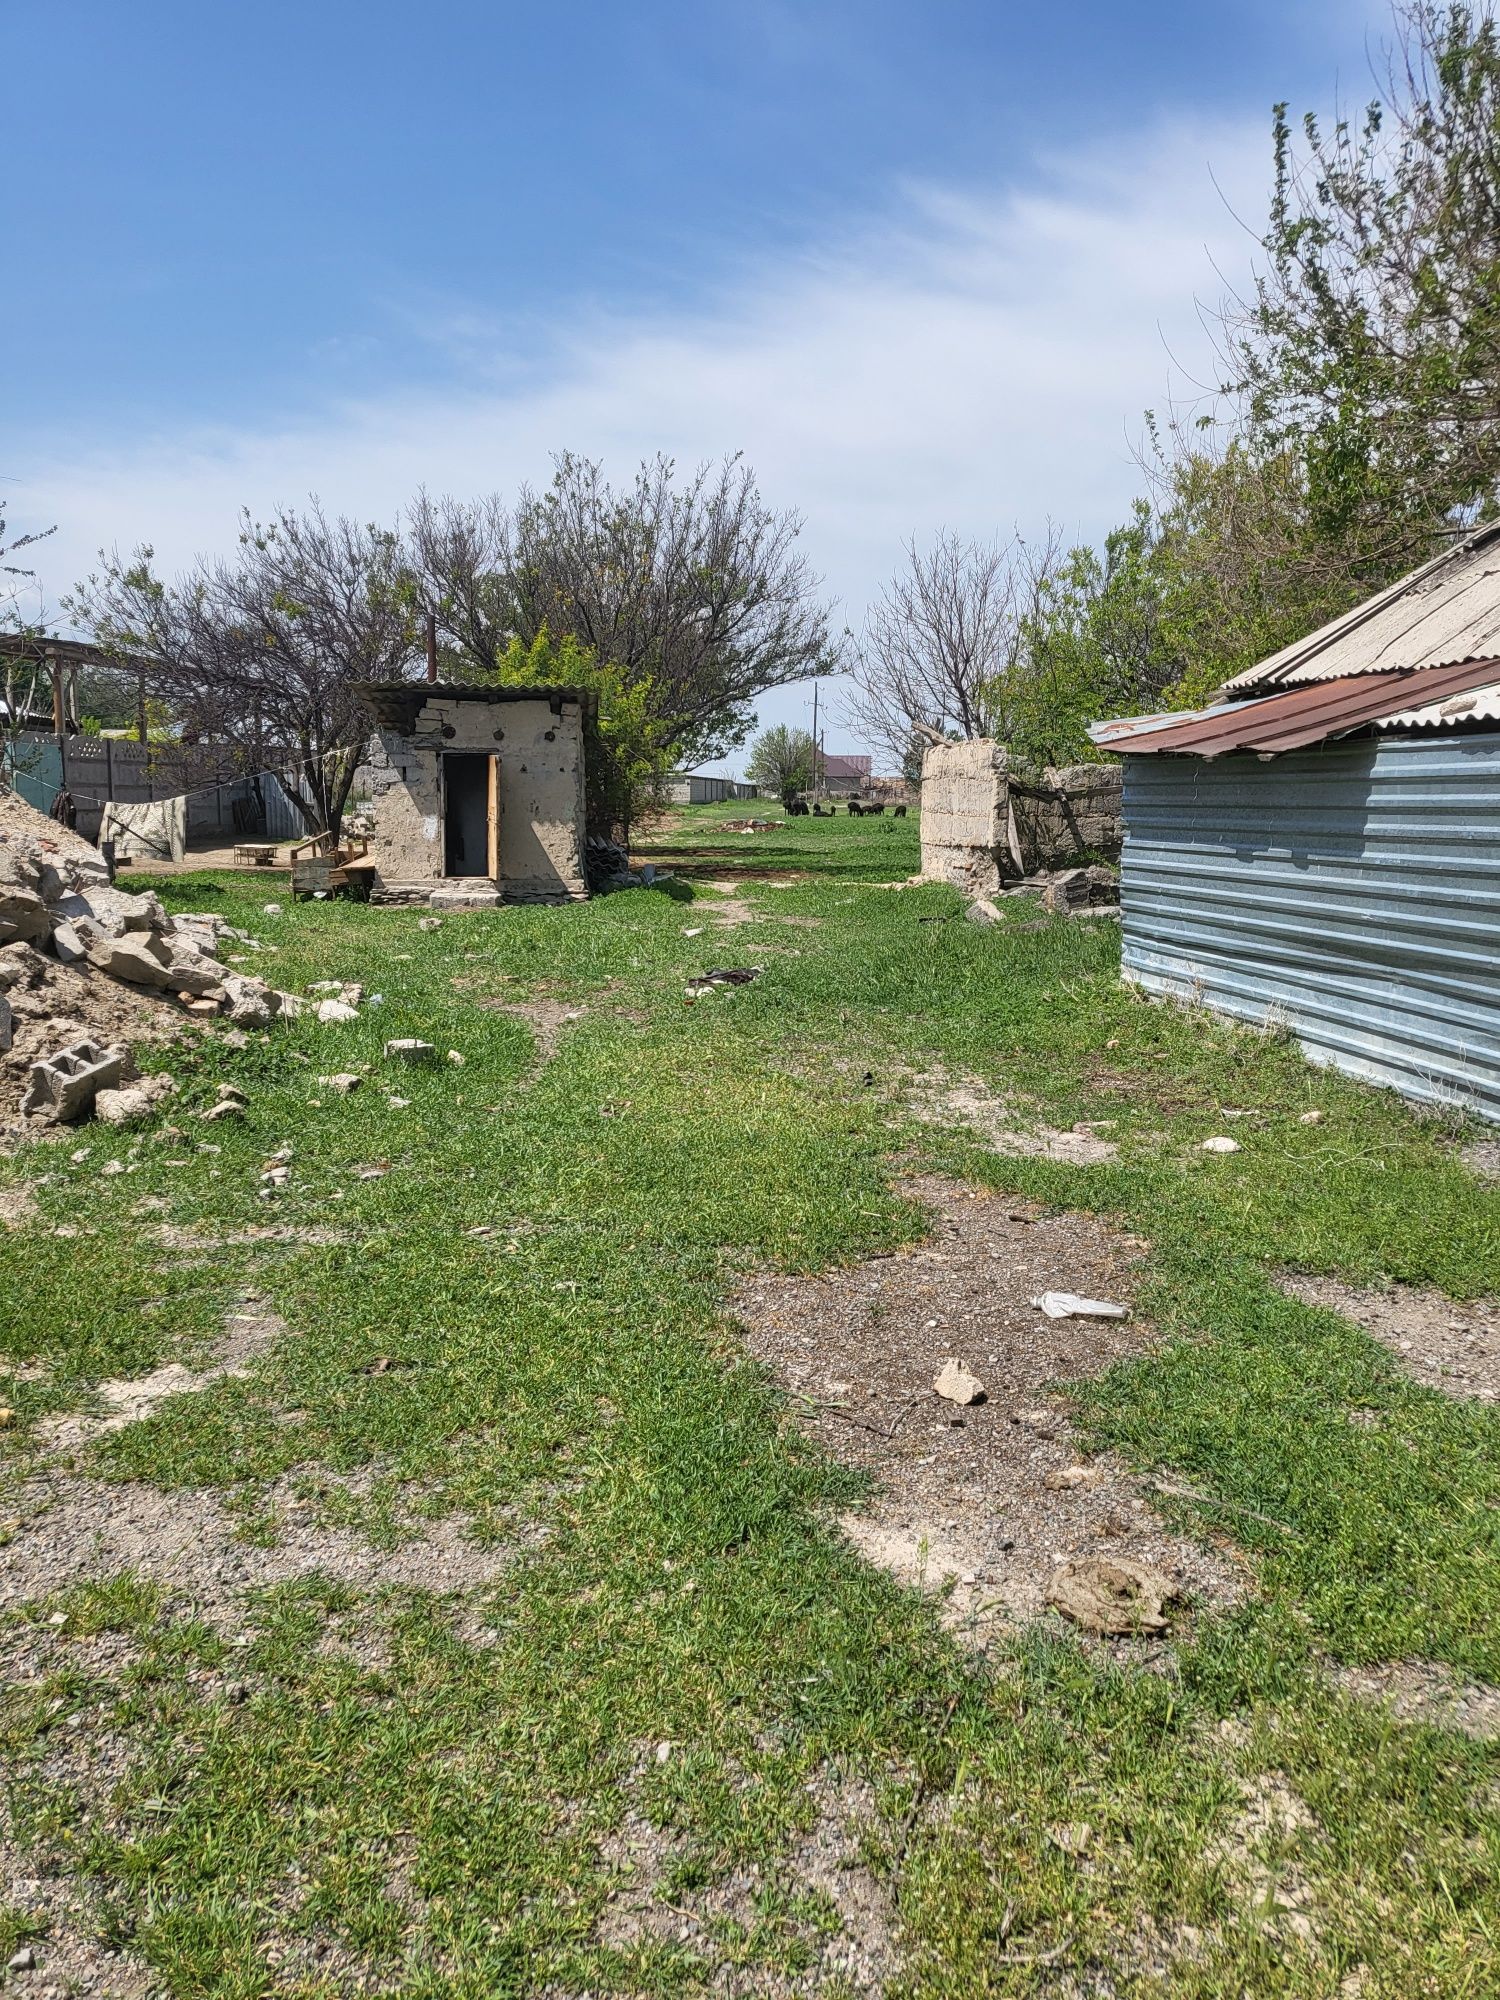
{"points": [[493, 820], [432, 672], [59, 727]]}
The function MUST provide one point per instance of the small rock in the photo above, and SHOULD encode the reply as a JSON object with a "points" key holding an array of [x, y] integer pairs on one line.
{"points": [[270, 909], [429, 923], [227, 1108], [1071, 1477], [23, 1960], [398, 1103], [696, 930], [408, 1049], [345, 1082], [455, 1058], [956, 1385], [982, 911], [113, 1167], [1311, 1118], [1220, 1145], [337, 1010]]}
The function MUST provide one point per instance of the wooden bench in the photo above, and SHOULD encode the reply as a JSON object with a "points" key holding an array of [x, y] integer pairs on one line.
{"points": [[321, 867]]}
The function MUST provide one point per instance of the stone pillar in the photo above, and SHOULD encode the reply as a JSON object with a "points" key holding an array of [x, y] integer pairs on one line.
{"points": [[965, 816]]}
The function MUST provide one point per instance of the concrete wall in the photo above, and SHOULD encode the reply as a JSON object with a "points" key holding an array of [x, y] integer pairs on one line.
{"points": [[964, 802], [541, 754], [1081, 817], [982, 827]]}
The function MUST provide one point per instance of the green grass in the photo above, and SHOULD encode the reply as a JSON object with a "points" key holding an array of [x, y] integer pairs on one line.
{"points": [[567, 1384]]}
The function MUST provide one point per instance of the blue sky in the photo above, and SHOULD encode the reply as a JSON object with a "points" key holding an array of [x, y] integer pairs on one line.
{"points": [[924, 263]]}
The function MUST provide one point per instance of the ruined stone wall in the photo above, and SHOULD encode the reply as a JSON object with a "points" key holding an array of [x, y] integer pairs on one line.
{"points": [[541, 793], [964, 802], [981, 827], [1081, 819]]}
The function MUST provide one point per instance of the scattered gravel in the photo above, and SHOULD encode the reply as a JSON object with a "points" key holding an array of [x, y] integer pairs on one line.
{"points": [[982, 1503], [1423, 1691], [938, 1100], [1451, 1348]]}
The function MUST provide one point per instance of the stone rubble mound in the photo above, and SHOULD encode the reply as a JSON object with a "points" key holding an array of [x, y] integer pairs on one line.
{"points": [[85, 967]]}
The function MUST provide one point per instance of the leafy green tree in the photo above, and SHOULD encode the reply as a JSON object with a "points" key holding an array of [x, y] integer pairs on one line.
{"points": [[625, 774], [783, 761], [1370, 352]]}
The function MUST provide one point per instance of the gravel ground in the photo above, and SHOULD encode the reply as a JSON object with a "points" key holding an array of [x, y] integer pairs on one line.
{"points": [[1451, 1348], [981, 1502], [1422, 1691]]}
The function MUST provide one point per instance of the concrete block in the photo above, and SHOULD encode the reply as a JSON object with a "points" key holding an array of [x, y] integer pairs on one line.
{"points": [[62, 1087]]}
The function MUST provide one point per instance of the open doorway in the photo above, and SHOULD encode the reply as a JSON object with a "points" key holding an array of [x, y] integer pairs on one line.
{"points": [[469, 815]]}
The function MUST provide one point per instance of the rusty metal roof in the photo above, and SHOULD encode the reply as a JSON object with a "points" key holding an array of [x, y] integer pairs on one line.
{"points": [[1449, 609], [1297, 717]]}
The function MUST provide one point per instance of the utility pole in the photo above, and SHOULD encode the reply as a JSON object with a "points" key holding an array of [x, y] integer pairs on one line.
{"points": [[815, 733]]}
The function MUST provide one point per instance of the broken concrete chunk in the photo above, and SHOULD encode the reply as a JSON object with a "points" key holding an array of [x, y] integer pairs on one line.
{"points": [[227, 1108], [336, 1010], [7, 1025], [429, 923], [68, 943], [63, 1086], [23, 914], [1068, 1305], [1220, 1146], [1311, 1118], [408, 1049], [982, 911], [344, 1082], [132, 1101], [141, 960], [956, 1385]]}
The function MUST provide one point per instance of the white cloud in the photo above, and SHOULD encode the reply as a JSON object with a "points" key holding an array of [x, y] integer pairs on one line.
{"points": [[978, 360]]}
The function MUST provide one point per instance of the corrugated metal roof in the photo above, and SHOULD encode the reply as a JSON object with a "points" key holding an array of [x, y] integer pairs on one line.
{"points": [[1479, 705], [1449, 609], [1300, 716]]}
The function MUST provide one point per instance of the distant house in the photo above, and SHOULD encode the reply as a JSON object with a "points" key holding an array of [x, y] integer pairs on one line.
{"points": [[845, 776], [1320, 849]]}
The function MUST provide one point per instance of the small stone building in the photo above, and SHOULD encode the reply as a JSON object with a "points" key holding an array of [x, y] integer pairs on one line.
{"points": [[477, 793]]}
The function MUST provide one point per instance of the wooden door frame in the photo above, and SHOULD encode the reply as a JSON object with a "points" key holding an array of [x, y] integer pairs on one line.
{"points": [[492, 806]]}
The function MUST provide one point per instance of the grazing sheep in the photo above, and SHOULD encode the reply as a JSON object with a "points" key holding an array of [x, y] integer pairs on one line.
{"points": [[898, 812]]}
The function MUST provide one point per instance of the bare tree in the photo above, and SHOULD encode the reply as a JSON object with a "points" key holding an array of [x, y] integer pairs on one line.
{"points": [[21, 675], [942, 639], [695, 586], [461, 554], [263, 651]]}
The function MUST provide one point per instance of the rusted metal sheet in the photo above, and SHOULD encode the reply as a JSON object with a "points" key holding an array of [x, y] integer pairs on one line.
{"points": [[1298, 717], [1350, 893]]}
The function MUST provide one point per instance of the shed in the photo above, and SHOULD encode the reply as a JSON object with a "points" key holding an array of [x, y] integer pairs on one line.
{"points": [[1320, 849], [477, 793]]}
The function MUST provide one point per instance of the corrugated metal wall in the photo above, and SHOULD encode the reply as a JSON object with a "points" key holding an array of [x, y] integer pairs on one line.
{"points": [[1351, 892]]}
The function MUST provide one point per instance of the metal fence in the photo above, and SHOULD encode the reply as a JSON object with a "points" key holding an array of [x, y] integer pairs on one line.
{"points": [[94, 769], [1350, 893]]}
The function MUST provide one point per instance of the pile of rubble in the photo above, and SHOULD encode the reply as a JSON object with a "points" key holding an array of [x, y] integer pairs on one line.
{"points": [[1065, 892], [85, 968]]}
